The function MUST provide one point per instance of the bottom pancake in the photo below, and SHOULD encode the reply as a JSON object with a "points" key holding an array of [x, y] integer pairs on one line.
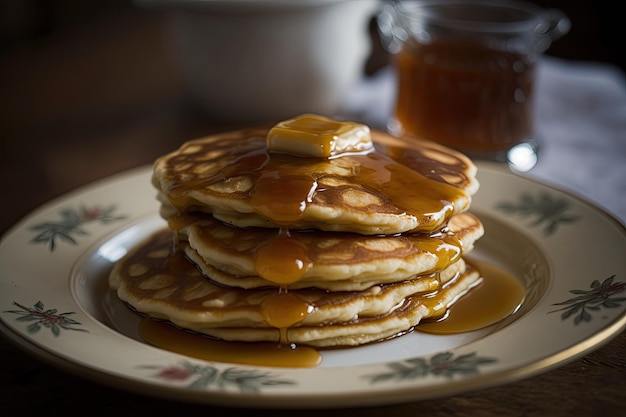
{"points": [[163, 284], [360, 330]]}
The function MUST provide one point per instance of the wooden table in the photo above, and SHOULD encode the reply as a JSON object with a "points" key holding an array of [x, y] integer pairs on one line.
{"points": [[78, 108]]}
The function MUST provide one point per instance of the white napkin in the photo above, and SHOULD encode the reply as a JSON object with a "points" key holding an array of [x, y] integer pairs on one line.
{"points": [[580, 122]]}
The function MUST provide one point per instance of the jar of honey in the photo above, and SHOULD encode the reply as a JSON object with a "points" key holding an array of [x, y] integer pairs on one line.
{"points": [[466, 73]]}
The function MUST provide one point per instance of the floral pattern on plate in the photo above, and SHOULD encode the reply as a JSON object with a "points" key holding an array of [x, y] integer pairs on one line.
{"points": [[601, 295], [39, 318], [549, 211], [71, 224]]}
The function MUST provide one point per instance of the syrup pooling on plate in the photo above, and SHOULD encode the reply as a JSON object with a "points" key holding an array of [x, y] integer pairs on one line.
{"points": [[283, 186], [308, 234], [479, 310], [158, 270], [168, 337], [170, 271]]}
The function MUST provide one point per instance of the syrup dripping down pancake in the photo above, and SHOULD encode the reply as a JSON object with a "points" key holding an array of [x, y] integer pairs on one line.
{"points": [[400, 185], [334, 260], [157, 281], [362, 330], [312, 232]]}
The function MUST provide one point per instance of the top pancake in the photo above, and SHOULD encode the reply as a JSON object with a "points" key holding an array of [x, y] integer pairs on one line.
{"points": [[401, 185]]}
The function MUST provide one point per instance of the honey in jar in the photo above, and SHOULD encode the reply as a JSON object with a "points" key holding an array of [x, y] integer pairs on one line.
{"points": [[464, 95], [466, 73]]}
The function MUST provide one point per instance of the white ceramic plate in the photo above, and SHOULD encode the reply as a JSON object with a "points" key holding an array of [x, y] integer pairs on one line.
{"points": [[54, 303]]}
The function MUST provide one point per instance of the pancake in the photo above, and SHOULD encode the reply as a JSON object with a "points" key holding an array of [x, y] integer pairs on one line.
{"points": [[161, 283], [255, 282], [312, 232], [360, 331], [334, 260], [399, 185]]}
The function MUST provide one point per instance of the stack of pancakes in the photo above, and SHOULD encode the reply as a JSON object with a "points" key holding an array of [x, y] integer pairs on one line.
{"points": [[313, 232]]}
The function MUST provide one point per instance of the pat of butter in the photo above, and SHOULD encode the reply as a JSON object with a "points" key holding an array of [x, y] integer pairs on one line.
{"points": [[313, 135]]}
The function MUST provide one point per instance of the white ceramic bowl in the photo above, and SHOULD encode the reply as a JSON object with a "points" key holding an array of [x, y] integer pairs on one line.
{"points": [[254, 60]]}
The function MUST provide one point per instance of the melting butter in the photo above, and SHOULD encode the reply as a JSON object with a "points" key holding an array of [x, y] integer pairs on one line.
{"points": [[313, 135]]}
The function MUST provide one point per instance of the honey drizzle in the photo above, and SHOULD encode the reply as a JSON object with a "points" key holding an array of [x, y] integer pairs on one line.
{"points": [[166, 336], [282, 186], [282, 260], [302, 250], [285, 309], [487, 92], [497, 295]]}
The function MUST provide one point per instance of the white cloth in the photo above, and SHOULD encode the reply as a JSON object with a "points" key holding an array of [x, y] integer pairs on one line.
{"points": [[580, 123]]}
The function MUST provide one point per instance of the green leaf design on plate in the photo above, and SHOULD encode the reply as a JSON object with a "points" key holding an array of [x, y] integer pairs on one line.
{"points": [[201, 377], [441, 364], [70, 225], [40, 318], [601, 295], [549, 211]]}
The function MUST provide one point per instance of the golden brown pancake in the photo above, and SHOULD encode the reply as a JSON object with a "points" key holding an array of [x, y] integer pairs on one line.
{"points": [[359, 331], [400, 185], [335, 260], [163, 284], [314, 232]]}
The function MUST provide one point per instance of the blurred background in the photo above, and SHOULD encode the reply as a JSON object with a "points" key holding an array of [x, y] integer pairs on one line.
{"points": [[89, 88]]}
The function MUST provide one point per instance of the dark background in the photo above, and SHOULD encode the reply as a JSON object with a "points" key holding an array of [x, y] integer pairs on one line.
{"points": [[594, 34], [88, 89]]}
